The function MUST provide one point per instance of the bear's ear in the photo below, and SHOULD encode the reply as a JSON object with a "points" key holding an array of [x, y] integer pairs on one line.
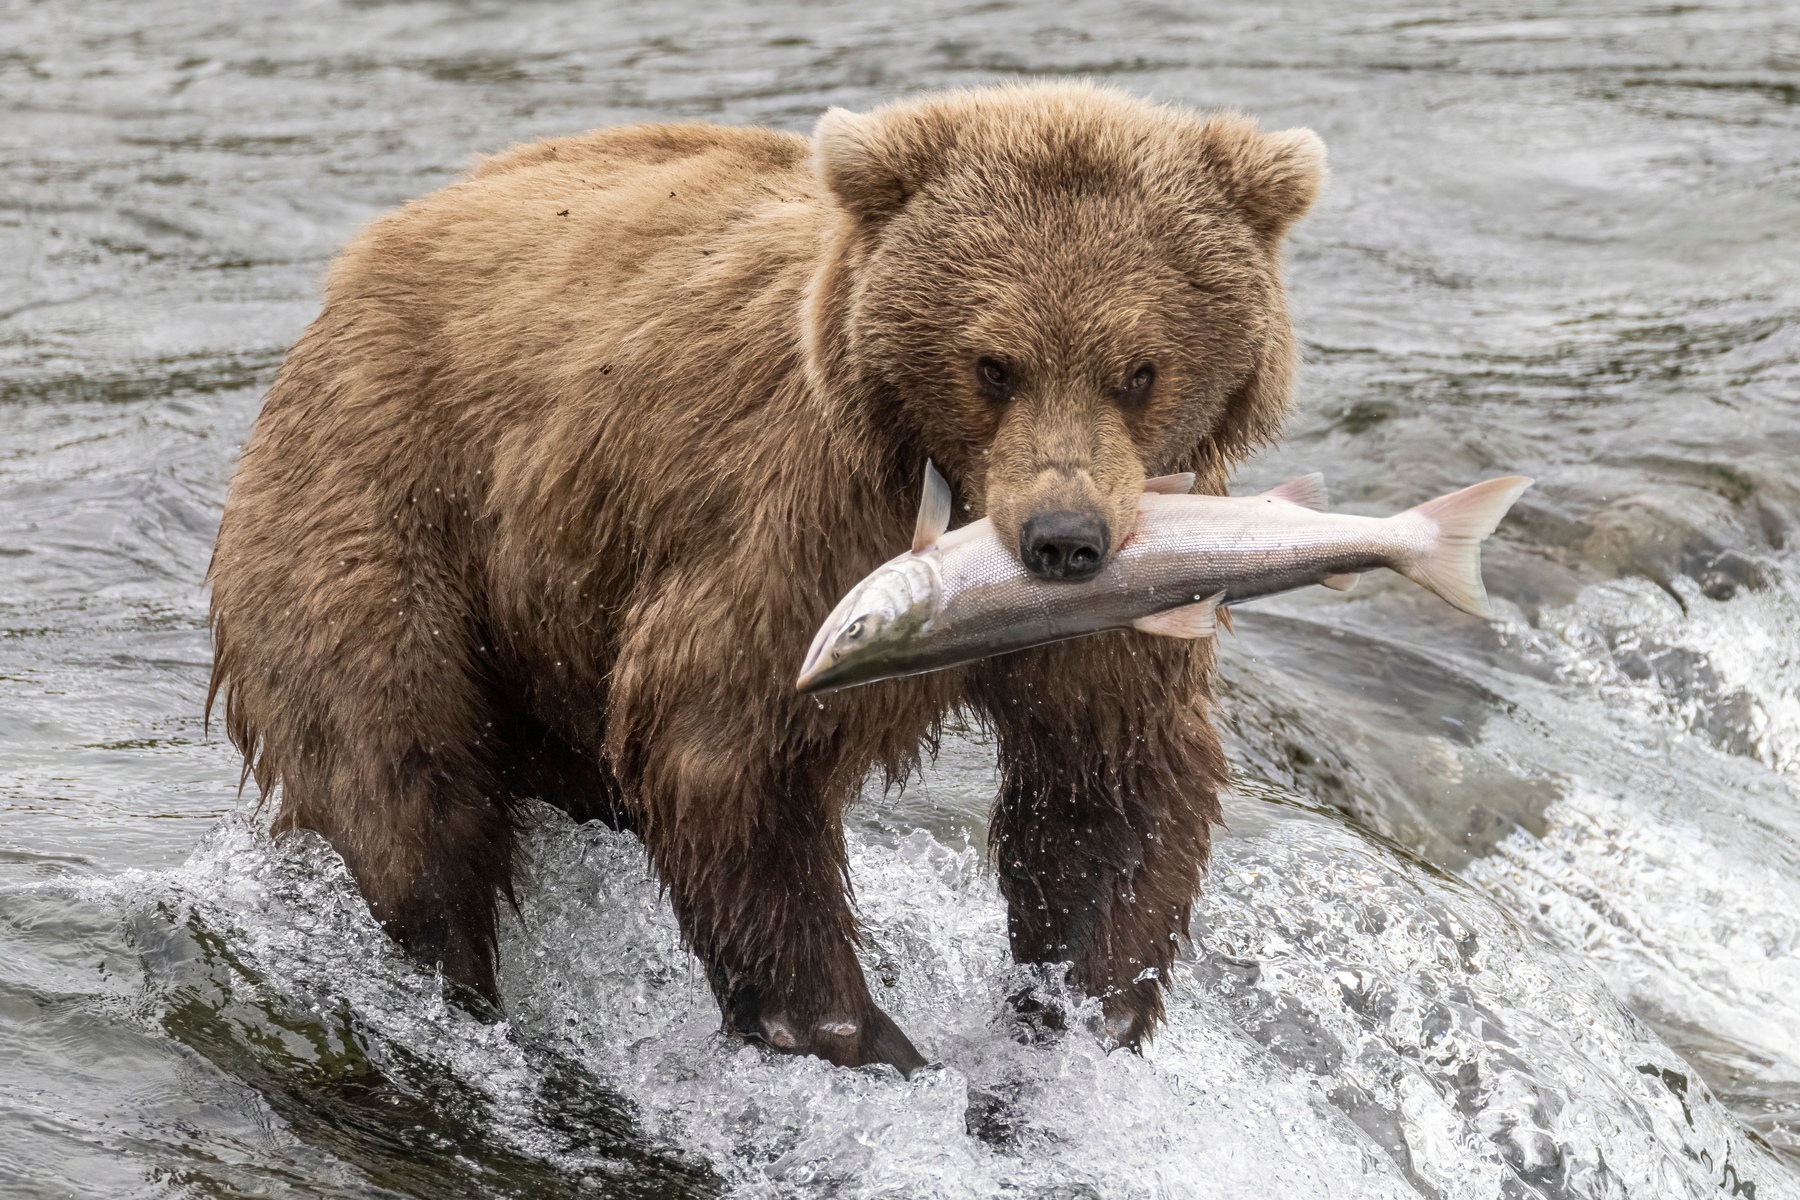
{"points": [[866, 165], [1273, 178]]}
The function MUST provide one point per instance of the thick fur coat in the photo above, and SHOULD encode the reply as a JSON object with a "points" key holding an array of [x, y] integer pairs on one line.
{"points": [[551, 497]]}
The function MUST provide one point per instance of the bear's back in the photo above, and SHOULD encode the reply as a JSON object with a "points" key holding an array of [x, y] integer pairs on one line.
{"points": [[562, 279], [649, 145], [536, 232]]}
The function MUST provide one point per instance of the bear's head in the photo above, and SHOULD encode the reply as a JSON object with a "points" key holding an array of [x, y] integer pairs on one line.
{"points": [[1056, 290]]}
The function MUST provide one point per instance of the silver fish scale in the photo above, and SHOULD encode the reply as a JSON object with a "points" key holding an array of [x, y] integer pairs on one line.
{"points": [[1185, 548]]}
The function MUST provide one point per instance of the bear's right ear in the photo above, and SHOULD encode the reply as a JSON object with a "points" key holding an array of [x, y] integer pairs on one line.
{"points": [[866, 167]]}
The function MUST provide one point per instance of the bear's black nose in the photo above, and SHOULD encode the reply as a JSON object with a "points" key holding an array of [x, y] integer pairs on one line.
{"points": [[1063, 545]]}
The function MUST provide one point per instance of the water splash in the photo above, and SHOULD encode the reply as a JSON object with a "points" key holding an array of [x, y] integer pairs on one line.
{"points": [[1725, 670], [1348, 1022]]}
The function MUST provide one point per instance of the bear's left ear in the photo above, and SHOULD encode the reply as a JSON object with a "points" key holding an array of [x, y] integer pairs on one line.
{"points": [[869, 165], [1273, 178]]}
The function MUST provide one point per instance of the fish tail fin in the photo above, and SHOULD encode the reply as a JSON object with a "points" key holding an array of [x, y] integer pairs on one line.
{"points": [[1450, 563]]}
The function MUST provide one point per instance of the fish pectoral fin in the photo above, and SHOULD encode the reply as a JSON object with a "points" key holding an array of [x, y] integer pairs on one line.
{"points": [[1189, 621], [934, 510], [1341, 583], [1308, 491], [1171, 485]]}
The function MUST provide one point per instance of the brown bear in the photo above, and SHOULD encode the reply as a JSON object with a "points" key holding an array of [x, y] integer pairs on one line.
{"points": [[551, 497]]}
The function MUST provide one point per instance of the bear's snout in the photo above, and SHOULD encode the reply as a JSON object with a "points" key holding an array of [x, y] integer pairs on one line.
{"points": [[1064, 545], [1063, 518]]}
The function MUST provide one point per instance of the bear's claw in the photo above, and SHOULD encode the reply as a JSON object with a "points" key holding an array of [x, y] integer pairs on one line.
{"points": [[884, 1042], [843, 1040]]}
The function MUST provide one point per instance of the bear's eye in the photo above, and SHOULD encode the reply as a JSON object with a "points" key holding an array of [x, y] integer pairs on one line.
{"points": [[995, 378], [1143, 378]]}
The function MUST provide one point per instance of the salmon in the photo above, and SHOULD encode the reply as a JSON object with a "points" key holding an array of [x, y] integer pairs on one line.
{"points": [[961, 595]]}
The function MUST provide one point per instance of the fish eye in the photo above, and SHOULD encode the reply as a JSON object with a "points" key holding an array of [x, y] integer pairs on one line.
{"points": [[856, 629]]}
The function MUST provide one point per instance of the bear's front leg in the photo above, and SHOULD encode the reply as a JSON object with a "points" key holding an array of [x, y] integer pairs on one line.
{"points": [[1109, 780], [744, 828]]}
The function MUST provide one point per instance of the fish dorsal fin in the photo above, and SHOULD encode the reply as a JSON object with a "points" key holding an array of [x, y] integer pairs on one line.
{"points": [[1171, 485], [1189, 621], [934, 510], [1308, 491]]}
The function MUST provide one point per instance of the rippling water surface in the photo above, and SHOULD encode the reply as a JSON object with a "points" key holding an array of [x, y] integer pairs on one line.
{"points": [[1507, 911]]}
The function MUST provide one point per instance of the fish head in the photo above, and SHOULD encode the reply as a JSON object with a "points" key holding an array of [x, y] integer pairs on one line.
{"points": [[873, 632]]}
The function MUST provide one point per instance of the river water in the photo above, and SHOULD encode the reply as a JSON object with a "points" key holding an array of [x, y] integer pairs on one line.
{"points": [[1502, 911]]}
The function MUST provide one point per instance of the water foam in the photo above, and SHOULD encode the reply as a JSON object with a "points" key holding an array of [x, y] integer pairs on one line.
{"points": [[1724, 670], [598, 962], [1348, 1023]]}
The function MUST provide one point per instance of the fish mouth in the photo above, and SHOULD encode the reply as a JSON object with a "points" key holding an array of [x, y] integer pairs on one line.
{"points": [[871, 666], [829, 676], [821, 677], [816, 667]]}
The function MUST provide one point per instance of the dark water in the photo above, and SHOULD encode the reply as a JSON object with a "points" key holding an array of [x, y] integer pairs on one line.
{"points": [[1507, 911]]}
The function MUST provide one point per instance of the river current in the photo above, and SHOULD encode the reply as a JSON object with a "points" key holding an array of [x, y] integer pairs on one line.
{"points": [[1503, 910]]}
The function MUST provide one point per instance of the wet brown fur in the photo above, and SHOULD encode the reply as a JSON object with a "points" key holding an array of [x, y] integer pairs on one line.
{"points": [[550, 498]]}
